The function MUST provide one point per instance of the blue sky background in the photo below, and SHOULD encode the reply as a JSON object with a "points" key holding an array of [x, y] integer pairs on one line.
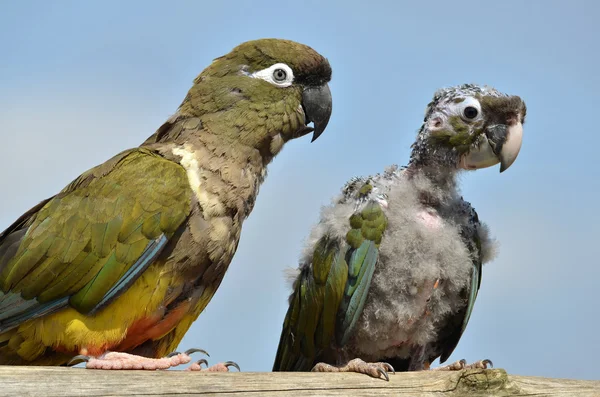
{"points": [[81, 81]]}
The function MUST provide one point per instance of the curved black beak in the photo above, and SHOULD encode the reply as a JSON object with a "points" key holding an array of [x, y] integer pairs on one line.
{"points": [[316, 102]]}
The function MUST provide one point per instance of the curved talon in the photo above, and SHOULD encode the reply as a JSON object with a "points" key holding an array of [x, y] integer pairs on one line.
{"points": [[390, 368], [463, 363], [78, 360], [173, 354], [193, 350], [382, 372], [232, 364], [202, 361], [487, 362]]}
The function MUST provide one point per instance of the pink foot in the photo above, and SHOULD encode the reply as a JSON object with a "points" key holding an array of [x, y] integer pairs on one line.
{"points": [[375, 370], [220, 367], [462, 364], [117, 360]]}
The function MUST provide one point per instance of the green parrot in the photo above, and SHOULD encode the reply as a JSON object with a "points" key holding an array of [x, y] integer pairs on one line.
{"points": [[390, 274], [119, 264]]}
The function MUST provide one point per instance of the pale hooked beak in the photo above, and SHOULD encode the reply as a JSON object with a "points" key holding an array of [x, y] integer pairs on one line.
{"points": [[511, 147], [502, 146]]}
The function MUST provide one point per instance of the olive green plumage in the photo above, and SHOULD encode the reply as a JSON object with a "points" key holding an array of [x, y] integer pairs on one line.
{"points": [[232, 103], [313, 306], [128, 255], [329, 297], [86, 238], [459, 136]]}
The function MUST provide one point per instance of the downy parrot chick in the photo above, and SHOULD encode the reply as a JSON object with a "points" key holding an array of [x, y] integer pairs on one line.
{"points": [[119, 264], [390, 274]]}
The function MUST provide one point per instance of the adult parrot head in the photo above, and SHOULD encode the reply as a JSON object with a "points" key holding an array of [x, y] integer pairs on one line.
{"points": [[263, 93], [471, 127]]}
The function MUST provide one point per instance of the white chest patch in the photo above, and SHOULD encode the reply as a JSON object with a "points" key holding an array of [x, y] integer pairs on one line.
{"points": [[192, 168], [209, 202]]}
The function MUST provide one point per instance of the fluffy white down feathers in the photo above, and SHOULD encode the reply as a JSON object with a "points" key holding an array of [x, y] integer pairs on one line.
{"points": [[420, 246]]}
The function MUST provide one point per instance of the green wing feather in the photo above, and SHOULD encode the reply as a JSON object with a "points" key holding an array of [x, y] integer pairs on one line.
{"points": [[81, 242], [360, 271], [309, 325], [329, 296]]}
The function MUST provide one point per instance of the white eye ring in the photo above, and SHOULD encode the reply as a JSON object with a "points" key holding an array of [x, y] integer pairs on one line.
{"points": [[279, 74], [468, 102]]}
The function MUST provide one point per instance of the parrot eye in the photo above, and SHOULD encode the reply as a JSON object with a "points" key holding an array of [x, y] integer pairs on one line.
{"points": [[468, 108], [280, 75], [470, 112]]}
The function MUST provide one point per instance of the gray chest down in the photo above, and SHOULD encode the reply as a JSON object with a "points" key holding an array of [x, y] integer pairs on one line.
{"points": [[425, 264]]}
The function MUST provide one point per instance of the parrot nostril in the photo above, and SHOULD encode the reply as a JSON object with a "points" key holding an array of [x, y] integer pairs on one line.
{"points": [[437, 122]]}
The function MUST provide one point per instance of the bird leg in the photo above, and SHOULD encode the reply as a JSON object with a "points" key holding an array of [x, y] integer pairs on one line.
{"points": [[375, 370], [118, 360], [462, 364]]}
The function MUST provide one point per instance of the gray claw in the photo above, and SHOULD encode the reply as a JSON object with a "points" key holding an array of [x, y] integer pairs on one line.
{"points": [[390, 368], [202, 361], [463, 363], [173, 354], [232, 364], [192, 351], [382, 372], [487, 363], [78, 360]]}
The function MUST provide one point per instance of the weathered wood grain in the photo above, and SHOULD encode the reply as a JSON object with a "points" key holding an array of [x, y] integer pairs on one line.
{"points": [[52, 381]]}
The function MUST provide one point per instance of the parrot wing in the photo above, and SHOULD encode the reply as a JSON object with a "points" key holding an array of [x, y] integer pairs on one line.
{"points": [[452, 332], [330, 293], [89, 243]]}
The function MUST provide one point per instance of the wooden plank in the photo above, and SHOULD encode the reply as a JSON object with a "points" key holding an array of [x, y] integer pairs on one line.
{"points": [[58, 382]]}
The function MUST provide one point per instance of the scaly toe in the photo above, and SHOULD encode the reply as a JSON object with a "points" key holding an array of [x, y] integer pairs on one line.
{"points": [[375, 370], [455, 366], [324, 367], [197, 366], [185, 357], [124, 361], [220, 367], [481, 364]]}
